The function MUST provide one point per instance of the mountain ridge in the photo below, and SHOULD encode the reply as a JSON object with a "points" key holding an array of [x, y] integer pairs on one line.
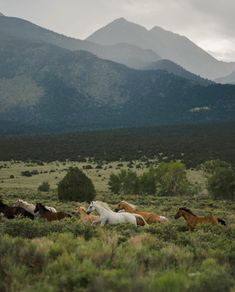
{"points": [[229, 79], [127, 54], [167, 44], [53, 89]]}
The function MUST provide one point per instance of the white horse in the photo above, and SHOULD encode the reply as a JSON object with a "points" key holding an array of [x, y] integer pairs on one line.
{"points": [[31, 207], [107, 216]]}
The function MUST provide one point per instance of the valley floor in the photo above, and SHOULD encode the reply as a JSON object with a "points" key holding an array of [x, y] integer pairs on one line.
{"points": [[69, 255]]}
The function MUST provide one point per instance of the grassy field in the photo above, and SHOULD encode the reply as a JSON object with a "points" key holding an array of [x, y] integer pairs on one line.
{"points": [[72, 256]]}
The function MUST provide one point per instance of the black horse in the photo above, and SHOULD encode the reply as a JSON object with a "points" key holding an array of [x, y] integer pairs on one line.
{"points": [[50, 216], [12, 212]]}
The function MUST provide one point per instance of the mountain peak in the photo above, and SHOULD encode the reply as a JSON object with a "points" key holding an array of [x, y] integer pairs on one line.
{"points": [[115, 32], [120, 20]]}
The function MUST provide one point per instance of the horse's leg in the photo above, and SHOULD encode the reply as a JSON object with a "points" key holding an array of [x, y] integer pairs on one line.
{"points": [[191, 227], [96, 222], [103, 222]]}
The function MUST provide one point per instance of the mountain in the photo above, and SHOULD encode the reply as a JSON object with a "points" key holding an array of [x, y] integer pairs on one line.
{"points": [[177, 70], [166, 44], [127, 54], [45, 88], [1, 14], [229, 79]]}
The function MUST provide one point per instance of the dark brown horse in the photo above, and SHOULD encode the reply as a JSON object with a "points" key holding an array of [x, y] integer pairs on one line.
{"points": [[12, 212], [50, 216], [192, 219]]}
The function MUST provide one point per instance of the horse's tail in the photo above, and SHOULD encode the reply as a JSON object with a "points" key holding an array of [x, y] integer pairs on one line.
{"points": [[140, 220], [163, 219], [221, 221]]}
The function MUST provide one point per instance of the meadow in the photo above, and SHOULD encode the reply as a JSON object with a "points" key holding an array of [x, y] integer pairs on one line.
{"points": [[69, 255]]}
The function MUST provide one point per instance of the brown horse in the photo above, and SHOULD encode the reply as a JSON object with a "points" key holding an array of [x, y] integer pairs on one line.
{"points": [[49, 215], [148, 216], [192, 219], [12, 212], [86, 217]]}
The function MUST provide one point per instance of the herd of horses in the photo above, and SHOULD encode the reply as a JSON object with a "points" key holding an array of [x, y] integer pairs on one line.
{"points": [[124, 213]]}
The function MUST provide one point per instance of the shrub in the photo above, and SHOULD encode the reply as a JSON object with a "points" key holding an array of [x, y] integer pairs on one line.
{"points": [[76, 186], [221, 184], [147, 183], [12, 176], [126, 182], [44, 187], [88, 166], [26, 173], [171, 179], [210, 166], [29, 173], [114, 184]]}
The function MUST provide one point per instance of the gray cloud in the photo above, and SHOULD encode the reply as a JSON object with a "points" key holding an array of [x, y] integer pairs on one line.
{"points": [[208, 23]]}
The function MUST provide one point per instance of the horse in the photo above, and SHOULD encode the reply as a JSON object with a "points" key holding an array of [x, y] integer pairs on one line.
{"points": [[30, 207], [12, 212], [192, 219], [107, 216], [50, 216], [150, 217], [85, 217]]}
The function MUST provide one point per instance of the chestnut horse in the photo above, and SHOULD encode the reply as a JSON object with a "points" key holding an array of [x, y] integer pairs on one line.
{"points": [[12, 212], [49, 215], [192, 219], [86, 217], [149, 217]]}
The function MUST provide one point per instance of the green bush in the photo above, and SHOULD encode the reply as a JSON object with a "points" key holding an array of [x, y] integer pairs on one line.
{"points": [[147, 182], [114, 183], [44, 187], [126, 182], [221, 184], [210, 166], [169, 179], [172, 179], [76, 186]]}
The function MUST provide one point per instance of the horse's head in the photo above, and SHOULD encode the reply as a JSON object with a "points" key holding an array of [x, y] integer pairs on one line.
{"points": [[179, 213], [18, 203], [81, 210], [91, 208], [124, 206], [1, 204], [38, 207]]}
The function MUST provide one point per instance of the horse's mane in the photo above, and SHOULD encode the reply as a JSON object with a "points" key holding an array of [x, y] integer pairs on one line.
{"points": [[131, 205], [23, 202], [187, 210], [103, 204]]}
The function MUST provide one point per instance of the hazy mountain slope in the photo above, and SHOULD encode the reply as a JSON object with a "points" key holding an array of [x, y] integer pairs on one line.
{"points": [[175, 69], [123, 53], [168, 45], [127, 54], [230, 79], [53, 89]]}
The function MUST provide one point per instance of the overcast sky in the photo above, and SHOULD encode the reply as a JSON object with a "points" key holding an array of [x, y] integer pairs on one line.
{"points": [[208, 23]]}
